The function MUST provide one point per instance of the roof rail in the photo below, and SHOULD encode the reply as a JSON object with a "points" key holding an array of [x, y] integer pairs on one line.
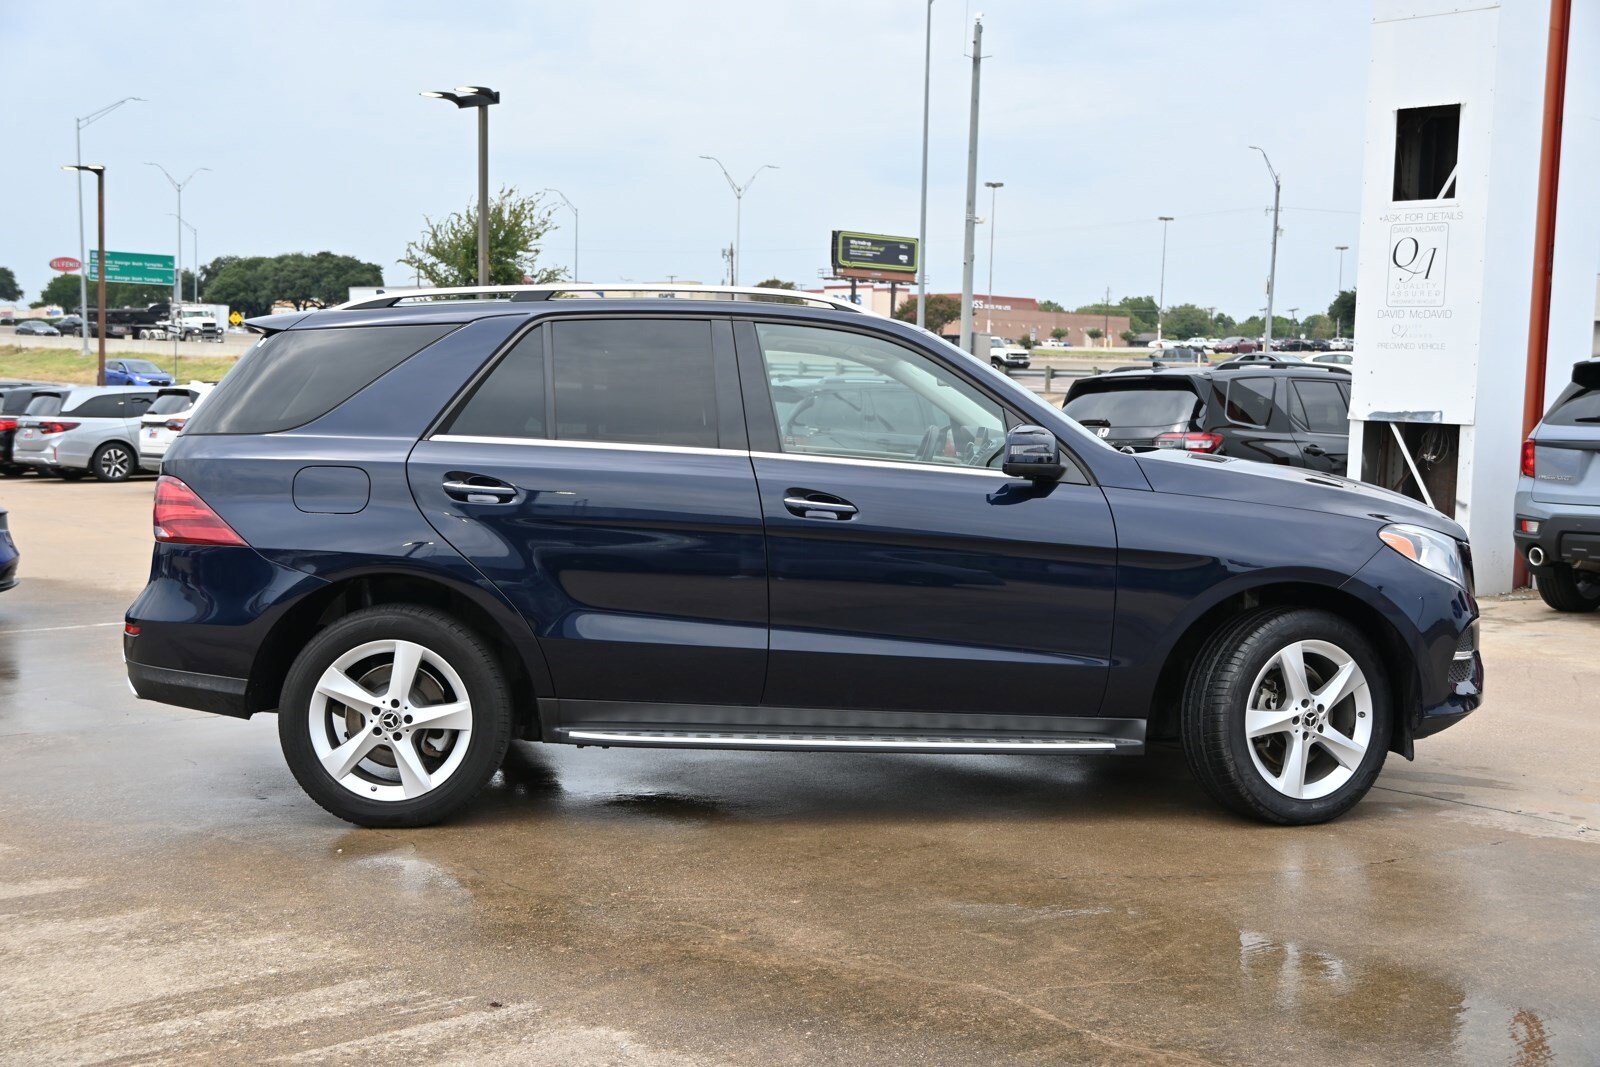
{"points": [[530, 293]]}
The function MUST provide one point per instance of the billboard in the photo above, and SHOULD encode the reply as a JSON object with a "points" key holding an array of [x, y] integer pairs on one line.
{"points": [[873, 255]]}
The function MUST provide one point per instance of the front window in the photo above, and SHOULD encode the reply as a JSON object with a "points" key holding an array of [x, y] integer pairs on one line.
{"points": [[839, 393], [140, 366]]}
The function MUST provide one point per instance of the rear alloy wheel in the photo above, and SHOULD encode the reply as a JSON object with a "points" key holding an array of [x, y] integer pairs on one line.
{"points": [[1286, 716], [113, 462], [1567, 589], [394, 716]]}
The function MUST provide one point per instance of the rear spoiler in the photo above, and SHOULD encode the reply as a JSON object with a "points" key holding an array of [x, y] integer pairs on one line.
{"points": [[271, 324]]}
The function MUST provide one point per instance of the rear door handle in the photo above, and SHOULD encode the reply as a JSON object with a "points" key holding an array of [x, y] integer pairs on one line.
{"points": [[484, 491], [817, 505], [1315, 450]]}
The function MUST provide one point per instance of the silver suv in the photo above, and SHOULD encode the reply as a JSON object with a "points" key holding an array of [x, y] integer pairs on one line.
{"points": [[87, 429], [1558, 496]]}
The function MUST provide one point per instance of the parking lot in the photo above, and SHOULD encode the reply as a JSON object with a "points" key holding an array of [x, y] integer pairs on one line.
{"points": [[171, 895]]}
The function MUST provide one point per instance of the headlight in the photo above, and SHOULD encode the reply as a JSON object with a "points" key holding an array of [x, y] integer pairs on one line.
{"points": [[1426, 548]]}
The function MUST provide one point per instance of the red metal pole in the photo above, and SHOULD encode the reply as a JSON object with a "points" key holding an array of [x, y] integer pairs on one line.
{"points": [[1544, 240], [100, 299]]}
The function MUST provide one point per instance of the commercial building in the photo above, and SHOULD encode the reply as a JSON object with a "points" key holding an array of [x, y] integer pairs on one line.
{"points": [[1011, 317]]}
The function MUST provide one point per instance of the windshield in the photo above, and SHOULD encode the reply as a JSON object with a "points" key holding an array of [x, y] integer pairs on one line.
{"points": [[141, 366], [1134, 407]]}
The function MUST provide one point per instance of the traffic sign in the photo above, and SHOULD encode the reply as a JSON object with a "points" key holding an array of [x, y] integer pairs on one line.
{"points": [[138, 268], [234, 318], [65, 264]]}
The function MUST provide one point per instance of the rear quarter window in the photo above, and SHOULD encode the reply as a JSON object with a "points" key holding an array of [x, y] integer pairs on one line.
{"points": [[296, 376], [1250, 401], [111, 406]]}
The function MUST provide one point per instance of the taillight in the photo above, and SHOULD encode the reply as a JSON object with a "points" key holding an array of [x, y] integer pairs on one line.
{"points": [[176, 424], [182, 518], [7, 424], [1190, 442], [1527, 458], [48, 428]]}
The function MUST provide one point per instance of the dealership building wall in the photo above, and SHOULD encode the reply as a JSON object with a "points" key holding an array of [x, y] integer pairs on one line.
{"points": [[1010, 317]]}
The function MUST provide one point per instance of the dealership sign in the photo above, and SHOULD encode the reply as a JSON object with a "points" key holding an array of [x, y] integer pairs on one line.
{"points": [[65, 264], [139, 268], [880, 256]]}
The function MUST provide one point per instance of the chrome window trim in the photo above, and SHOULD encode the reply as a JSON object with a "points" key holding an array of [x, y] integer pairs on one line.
{"points": [[614, 446], [886, 464]]}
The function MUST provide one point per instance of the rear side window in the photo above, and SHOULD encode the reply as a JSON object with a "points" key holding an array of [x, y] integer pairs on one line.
{"points": [[1250, 401], [171, 404], [510, 401], [643, 381], [300, 375], [16, 402], [112, 406], [1581, 407], [44, 405], [1321, 407]]}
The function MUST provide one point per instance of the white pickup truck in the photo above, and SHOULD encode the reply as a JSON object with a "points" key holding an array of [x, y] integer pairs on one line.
{"points": [[1007, 355]]}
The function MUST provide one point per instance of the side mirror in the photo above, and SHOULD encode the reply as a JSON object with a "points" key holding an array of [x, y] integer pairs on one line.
{"points": [[1032, 452]]}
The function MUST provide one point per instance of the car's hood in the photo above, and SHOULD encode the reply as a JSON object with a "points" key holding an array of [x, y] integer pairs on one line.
{"points": [[1223, 478]]}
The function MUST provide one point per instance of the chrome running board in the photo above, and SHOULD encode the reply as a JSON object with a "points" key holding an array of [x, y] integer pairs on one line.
{"points": [[864, 742]]}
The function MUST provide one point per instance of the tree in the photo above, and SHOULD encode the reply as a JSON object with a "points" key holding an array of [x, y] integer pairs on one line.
{"points": [[447, 252], [942, 311], [63, 292], [1343, 312], [252, 284], [9, 289], [1094, 333], [1318, 327], [243, 283], [1128, 337], [1027, 341], [1254, 326], [775, 283], [1185, 320], [1222, 325], [1058, 333], [1050, 305]]}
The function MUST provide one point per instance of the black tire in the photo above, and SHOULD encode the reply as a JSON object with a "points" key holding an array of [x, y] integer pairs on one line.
{"points": [[463, 650], [12, 472], [1566, 589], [114, 461], [1218, 692], [69, 474]]}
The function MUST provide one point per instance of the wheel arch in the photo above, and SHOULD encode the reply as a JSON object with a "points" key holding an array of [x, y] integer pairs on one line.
{"points": [[513, 644], [1391, 647]]}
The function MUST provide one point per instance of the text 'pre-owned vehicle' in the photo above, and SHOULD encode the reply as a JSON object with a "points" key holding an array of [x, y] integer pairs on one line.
{"points": [[420, 528]]}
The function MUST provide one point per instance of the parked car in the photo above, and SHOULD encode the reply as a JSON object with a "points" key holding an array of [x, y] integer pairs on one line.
{"points": [[1177, 354], [37, 328], [383, 526], [1236, 345], [135, 372], [1342, 359], [1557, 527], [1204, 344], [14, 400], [1275, 356], [165, 420], [1295, 416], [8, 553], [1007, 355], [88, 429], [1341, 344]]}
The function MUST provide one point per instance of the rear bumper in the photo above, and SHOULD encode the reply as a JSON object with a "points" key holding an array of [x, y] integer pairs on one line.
{"points": [[188, 689], [1568, 533]]}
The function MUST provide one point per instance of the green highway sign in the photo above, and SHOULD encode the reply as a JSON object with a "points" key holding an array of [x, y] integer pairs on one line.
{"points": [[138, 268]]}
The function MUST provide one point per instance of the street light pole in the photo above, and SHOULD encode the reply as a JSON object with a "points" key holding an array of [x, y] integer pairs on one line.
{"points": [[1161, 292], [99, 173], [1272, 270], [988, 299], [922, 228], [480, 97], [83, 259], [1338, 322], [177, 262], [574, 210], [969, 241], [735, 262]]}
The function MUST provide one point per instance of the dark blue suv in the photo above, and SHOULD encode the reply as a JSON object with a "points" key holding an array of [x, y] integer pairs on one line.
{"points": [[420, 529]]}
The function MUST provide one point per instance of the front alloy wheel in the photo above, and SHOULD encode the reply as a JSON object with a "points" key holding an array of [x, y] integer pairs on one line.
{"points": [[1286, 715], [114, 462], [394, 716]]}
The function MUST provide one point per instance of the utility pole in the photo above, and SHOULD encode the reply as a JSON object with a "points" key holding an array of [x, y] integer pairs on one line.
{"points": [[1161, 293], [969, 252], [1338, 322], [922, 229], [988, 297], [1105, 334], [1272, 270]]}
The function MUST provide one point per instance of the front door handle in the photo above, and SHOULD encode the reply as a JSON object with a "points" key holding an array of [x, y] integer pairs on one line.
{"points": [[1315, 450], [479, 490], [810, 505]]}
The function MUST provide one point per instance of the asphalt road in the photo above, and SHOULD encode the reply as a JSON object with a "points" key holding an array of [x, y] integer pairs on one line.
{"points": [[167, 894]]}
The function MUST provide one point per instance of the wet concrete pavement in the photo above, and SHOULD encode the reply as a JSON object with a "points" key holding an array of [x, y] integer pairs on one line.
{"points": [[167, 894]]}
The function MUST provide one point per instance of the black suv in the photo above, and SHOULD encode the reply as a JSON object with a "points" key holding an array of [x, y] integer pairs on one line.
{"points": [[1295, 414]]}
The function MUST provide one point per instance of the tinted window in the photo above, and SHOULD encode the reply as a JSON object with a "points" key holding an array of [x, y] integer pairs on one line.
{"points": [[509, 402], [141, 366], [1250, 401], [44, 405], [640, 381], [171, 404], [300, 375], [112, 406], [1322, 407], [1134, 407], [1581, 407], [16, 402], [891, 404]]}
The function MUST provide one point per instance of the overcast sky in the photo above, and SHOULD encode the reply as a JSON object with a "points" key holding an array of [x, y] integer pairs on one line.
{"points": [[1097, 114]]}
